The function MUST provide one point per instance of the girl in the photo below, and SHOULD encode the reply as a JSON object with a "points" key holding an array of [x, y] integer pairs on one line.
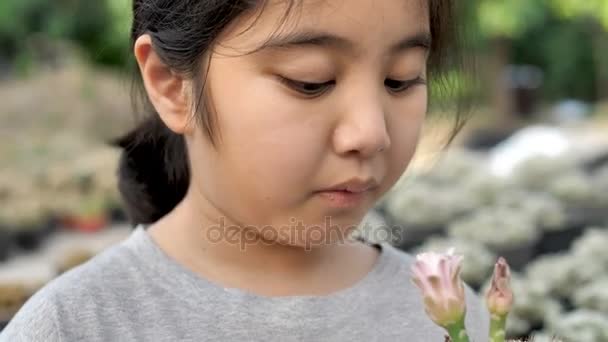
{"points": [[274, 127]]}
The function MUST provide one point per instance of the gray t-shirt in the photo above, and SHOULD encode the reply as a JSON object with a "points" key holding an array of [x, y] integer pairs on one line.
{"points": [[133, 291]]}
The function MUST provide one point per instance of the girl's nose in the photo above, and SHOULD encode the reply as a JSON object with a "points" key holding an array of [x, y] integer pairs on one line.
{"points": [[362, 128]]}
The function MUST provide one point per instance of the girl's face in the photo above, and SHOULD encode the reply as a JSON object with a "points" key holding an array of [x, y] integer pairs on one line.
{"points": [[337, 94]]}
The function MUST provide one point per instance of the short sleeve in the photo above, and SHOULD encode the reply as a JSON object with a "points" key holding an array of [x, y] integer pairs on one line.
{"points": [[36, 321]]}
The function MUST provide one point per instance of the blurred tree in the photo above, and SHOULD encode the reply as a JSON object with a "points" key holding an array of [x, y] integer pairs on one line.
{"points": [[597, 9], [18, 19], [502, 23], [99, 27], [509, 18], [596, 28], [564, 50], [501, 32], [567, 39]]}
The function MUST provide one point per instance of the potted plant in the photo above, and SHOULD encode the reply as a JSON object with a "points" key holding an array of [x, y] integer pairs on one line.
{"points": [[549, 215], [423, 210], [538, 173], [581, 325], [12, 297], [6, 236], [505, 231], [576, 190], [593, 296], [72, 259], [86, 213], [27, 220]]}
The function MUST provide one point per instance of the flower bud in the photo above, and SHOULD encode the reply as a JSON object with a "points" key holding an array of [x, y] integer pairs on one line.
{"points": [[499, 298]]}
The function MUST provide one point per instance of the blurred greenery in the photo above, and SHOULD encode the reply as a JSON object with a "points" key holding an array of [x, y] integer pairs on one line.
{"points": [[514, 18], [99, 28], [565, 38]]}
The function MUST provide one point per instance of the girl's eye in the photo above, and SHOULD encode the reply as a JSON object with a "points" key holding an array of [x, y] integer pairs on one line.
{"points": [[307, 88], [397, 86]]}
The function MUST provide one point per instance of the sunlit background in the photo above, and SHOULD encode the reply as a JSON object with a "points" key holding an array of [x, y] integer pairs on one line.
{"points": [[527, 178]]}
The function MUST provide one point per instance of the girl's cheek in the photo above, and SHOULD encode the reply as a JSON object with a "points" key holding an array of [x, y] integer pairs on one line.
{"points": [[405, 132]]}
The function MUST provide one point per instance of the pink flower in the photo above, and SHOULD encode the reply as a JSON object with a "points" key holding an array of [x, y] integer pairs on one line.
{"points": [[438, 277], [499, 298]]}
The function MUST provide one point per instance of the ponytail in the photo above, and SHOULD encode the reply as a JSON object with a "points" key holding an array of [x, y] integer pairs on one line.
{"points": [[153, 172]]}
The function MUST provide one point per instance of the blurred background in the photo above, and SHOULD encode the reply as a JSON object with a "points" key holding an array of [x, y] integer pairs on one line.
{"points": [[527, 178]]}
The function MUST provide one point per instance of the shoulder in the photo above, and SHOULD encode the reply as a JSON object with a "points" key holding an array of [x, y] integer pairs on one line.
{"points": [[66, 299], [93, 278], [36, 321], [477, 317]]}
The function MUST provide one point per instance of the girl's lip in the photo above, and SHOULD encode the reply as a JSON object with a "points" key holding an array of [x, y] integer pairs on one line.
{"points": [[343, 199], [354, 185]]}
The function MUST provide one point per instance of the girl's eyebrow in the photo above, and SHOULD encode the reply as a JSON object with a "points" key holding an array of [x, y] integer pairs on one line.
{"points": [[421, 39]]}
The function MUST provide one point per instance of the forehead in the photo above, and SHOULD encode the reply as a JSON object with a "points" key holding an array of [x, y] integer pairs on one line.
{"points": [[371, 24]]}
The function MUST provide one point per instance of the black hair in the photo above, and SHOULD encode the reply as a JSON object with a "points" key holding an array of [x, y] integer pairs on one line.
{"points": [[154, 173]]}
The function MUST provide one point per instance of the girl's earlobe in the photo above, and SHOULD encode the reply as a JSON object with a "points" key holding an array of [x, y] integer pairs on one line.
{"points": [[165, 88]]}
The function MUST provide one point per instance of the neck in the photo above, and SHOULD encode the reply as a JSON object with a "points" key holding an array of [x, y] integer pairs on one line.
{"points": [[190, 235]]}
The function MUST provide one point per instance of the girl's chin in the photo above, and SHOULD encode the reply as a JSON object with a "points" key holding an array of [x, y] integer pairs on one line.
{"points": [[316, 237]]}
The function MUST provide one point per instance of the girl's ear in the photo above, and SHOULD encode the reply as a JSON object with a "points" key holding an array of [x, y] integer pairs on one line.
{"points": [[167, 90]]}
